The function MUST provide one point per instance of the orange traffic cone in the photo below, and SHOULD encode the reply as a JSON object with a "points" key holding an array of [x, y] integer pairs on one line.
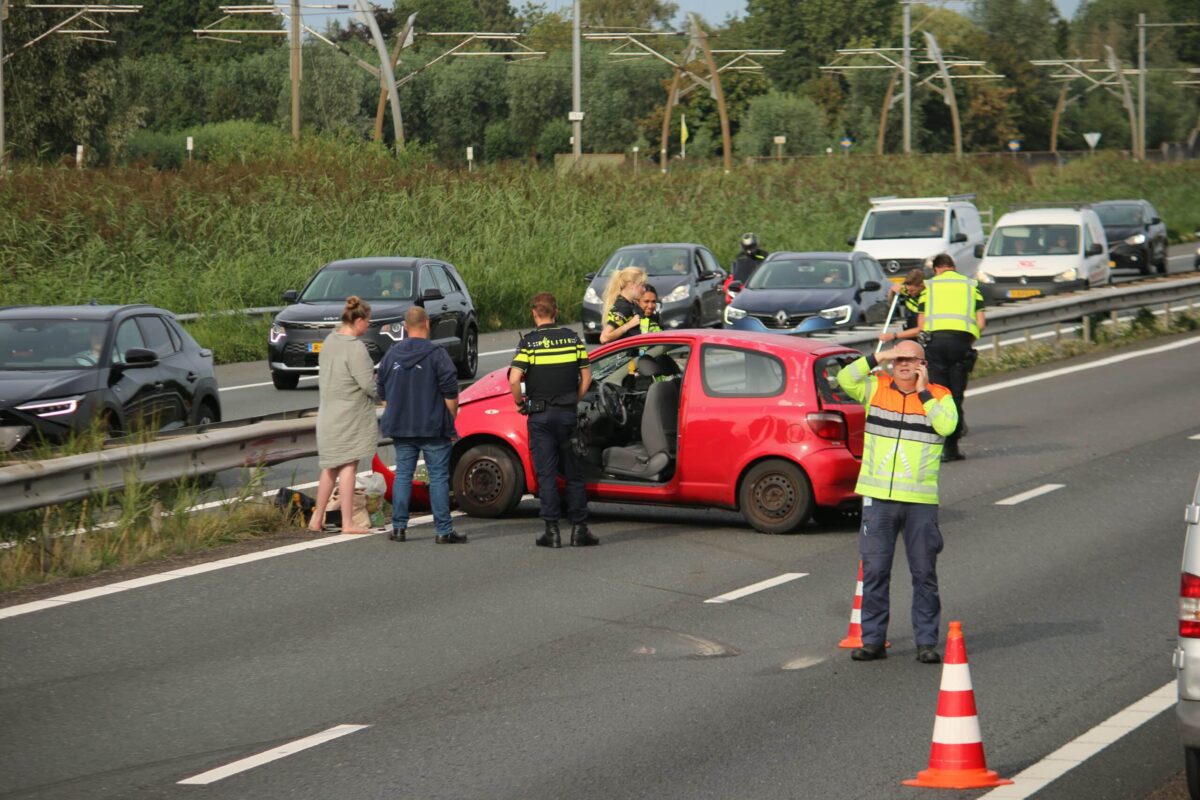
{"points": [[956, 757], [854, 633]]}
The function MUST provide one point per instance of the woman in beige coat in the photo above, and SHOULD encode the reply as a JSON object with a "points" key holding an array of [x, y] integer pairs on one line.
{"points": [[347, 431]]}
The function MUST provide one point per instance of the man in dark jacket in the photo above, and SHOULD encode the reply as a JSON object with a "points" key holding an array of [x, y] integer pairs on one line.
{"points": [[419, 383]]}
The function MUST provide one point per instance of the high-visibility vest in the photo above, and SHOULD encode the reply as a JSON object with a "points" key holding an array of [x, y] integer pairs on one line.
{"points": [[949, 301], [903, 435]]}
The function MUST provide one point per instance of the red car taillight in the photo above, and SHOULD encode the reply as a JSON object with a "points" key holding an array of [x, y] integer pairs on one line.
{"points": [[830, 425], [1189, 606]]}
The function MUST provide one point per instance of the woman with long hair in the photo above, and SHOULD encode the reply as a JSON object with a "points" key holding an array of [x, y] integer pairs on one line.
{"points": [[621, 317], [347, 431]]}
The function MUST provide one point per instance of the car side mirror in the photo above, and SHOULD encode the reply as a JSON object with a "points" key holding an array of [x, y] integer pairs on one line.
{"points": [[735, 287], [708, 275], [850, 240], [872, 286], [139, 358], [431, 294], [291, 296], [979, 251], [1155, 220], [589, 277], [958, 238], [1094, 249]]}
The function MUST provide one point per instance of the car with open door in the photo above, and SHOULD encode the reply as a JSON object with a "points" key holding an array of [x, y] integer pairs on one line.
{"points": [[752, 422]]}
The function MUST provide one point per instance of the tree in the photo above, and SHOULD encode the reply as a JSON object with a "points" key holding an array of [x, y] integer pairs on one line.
{"points": [[537, 93], [644, 14], [780, 114], [460, 15]]}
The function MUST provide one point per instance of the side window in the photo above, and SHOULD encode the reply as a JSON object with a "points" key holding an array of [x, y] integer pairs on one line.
{"points": [[176, 336], [697, 264], [427, 279], [154, 332], [1149, 212], [710, 261], [454, 281], [954, 226], [128, 336], [1087, 236], [730, 372], [443, 281], [827, 370]]}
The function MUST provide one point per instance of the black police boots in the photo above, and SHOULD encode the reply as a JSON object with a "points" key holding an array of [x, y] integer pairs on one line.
{"points": [[582, 537], [869, 652], [551, 538]]}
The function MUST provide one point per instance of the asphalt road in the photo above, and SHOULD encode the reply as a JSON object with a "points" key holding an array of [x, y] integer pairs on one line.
{"points": [[499, 670]]}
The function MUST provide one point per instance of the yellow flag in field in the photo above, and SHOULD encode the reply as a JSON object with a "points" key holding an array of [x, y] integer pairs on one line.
{"points": [[683, 131]]}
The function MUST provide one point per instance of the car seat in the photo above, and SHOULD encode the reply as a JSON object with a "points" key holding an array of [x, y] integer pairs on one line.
{"points": [[649, 459]]}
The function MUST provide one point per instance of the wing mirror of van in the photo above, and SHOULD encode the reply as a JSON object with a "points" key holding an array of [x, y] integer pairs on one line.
{"points": [[850, 240], [979, 251], [1094, 249], [872, 286], [958, 238]]}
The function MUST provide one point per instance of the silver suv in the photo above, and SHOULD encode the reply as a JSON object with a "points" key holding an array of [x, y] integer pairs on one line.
{"points": [[1187, 654]]}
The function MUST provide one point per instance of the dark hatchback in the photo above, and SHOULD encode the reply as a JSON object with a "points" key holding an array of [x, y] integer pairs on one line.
{"points": [[845, 289], [687, 277], [392, 286], [65, 368], [1137, 236]]}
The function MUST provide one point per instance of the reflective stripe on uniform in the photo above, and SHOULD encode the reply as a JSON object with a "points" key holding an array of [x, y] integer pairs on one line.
{"points": [[950, 303]]}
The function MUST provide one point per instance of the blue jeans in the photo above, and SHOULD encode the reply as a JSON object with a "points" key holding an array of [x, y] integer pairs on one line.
{"points": [[882, 521], [437, 461]]}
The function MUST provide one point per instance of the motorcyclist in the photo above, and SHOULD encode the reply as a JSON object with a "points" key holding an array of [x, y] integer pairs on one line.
{"points": [[745, 264]]}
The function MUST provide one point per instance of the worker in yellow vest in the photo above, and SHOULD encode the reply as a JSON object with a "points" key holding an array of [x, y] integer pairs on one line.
{"points": [[952, 315]]}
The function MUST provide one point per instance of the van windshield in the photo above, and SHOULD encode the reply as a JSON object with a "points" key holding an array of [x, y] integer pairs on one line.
{"points": [[1034, 240], [905, 223]]}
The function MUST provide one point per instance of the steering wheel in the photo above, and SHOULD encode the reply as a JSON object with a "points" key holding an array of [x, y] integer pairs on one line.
{"points": [[614, 406]]}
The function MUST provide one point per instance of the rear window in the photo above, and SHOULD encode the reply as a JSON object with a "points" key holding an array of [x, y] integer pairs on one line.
{"points": [[732, 372]]}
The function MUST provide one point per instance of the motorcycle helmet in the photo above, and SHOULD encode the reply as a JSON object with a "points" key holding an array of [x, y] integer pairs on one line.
{"points": [[749, 242]]}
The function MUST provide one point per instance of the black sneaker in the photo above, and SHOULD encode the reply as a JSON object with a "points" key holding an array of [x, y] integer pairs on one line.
{"points": [[928, 654], [450, 538], [869, 652], [398, 535]]}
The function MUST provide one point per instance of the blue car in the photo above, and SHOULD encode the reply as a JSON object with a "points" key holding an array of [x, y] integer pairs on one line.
{"points": [[790, 289]]}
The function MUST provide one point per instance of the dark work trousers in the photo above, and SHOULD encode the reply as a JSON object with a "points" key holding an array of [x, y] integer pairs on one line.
{"points": [[949, 357], [550, 446], [881, 521]]}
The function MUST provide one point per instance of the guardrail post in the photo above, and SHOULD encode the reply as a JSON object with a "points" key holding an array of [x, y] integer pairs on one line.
{"points": [[1057, 334], [1085, 329], [1029, 337], [1167, 316], [1115, 318], [996, 345]]}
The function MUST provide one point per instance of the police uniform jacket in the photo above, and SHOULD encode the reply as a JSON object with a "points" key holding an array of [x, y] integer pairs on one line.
{"points": [[551, 358]]}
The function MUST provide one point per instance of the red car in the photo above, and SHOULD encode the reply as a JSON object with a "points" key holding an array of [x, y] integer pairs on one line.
{"points": [[722, 419]]}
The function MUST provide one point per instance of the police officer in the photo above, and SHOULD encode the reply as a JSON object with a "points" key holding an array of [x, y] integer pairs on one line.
{"points": [[748, 260], [910, 293], [952, 315], [648, 303], [554, 365], [907, 419]]}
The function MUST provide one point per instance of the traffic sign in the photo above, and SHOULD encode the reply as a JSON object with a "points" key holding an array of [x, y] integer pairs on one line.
{"points": [[1014, 145], [1092, 139], [846, 142]]}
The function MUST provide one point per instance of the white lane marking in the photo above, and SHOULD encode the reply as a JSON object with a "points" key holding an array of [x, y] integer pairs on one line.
{"points": [[510, 351], [756, 587], [274, 754], [1195, 438], [260, 385], [1075, 752], [1104, 362], [1032, 493]]}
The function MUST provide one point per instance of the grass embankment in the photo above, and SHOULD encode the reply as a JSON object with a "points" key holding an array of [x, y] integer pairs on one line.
{"points": [[208, 238]]}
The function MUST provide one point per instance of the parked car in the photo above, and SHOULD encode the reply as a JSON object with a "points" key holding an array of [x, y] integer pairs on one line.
{"points": [[847, 289], [724, 419], [686, 276], [1187, 652], [66, 368], [1039, 251], [392, 286], [906, 232], [1136, 235]]}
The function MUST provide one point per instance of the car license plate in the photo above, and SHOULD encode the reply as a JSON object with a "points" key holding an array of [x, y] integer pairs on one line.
{"points": [[1019, 293], [314, 347]]}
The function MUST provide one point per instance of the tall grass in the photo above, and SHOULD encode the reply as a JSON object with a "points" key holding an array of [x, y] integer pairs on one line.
{"points": [[218, 237]]}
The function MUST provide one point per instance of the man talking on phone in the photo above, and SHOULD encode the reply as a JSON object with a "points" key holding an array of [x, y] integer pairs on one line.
{"points": [[908, 420]]}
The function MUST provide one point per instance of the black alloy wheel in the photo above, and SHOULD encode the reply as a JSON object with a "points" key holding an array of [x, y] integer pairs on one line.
{"points": [[469, 363], [775, 496], [488, 481]]}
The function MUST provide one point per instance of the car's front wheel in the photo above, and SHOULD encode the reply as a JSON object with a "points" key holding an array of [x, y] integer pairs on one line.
{"points": [[285, 381], [207, 414], [469, 362], [775, 496], [488, 481]]}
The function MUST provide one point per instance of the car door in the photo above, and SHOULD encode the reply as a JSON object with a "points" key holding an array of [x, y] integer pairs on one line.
{"points": [[1096, 267], [174, 403], [436, 308], [712, 288], [139, 390], [874, 302], [456, 309]]}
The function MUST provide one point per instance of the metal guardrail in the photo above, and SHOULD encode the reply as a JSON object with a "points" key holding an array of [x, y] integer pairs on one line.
{"points": [[261, 311], [35, 484]]}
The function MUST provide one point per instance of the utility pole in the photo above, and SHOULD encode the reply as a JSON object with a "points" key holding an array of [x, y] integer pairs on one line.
{"points": [[576, 102], [1141, 138], [906, 72], [3, 17], [295, 65]]}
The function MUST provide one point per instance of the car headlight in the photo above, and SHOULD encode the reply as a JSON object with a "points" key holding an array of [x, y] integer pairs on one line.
{"points": [[278, 333], [591, 298], [983, 277], [732, 314], [53, 408], [1067, 275], [680, 292], [393, 330], [928, 262], [839, 315], [1137, 238]]}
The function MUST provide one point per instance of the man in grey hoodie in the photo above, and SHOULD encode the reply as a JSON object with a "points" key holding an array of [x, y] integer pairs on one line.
{"points": [[419, 383]]}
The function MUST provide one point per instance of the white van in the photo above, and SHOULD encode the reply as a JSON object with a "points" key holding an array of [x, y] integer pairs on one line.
{"points": [[1037, 251], [906, 232]]}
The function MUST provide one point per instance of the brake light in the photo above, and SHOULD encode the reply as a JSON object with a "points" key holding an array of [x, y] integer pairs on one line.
{"points": [[1189, 606], [831, 425]]}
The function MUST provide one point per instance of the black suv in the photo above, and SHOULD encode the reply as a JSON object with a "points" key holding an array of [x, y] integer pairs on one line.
{"points": [[391, 286], [1137, 237], [128, 367]]}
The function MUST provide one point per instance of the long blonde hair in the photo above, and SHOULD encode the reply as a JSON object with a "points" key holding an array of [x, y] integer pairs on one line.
{"points": [[617, 283]]}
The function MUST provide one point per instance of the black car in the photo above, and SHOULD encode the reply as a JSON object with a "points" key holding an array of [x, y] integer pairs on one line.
{"points": [[846, 289], [687, 278], [392, 286], [1137, 236], [65, 368]]}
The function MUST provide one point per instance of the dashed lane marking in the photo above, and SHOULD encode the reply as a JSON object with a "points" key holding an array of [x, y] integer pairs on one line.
{"points": [[1032, 493], [274, 754], [1195, 438], [756, 587], [260, 385]]}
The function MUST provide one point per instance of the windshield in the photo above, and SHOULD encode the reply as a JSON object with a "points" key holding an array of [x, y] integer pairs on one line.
{"points": [[1034, 240], [51, 343], [904, 224], [369, 283], [1123, 216], [656, 261], [801, 274]]}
